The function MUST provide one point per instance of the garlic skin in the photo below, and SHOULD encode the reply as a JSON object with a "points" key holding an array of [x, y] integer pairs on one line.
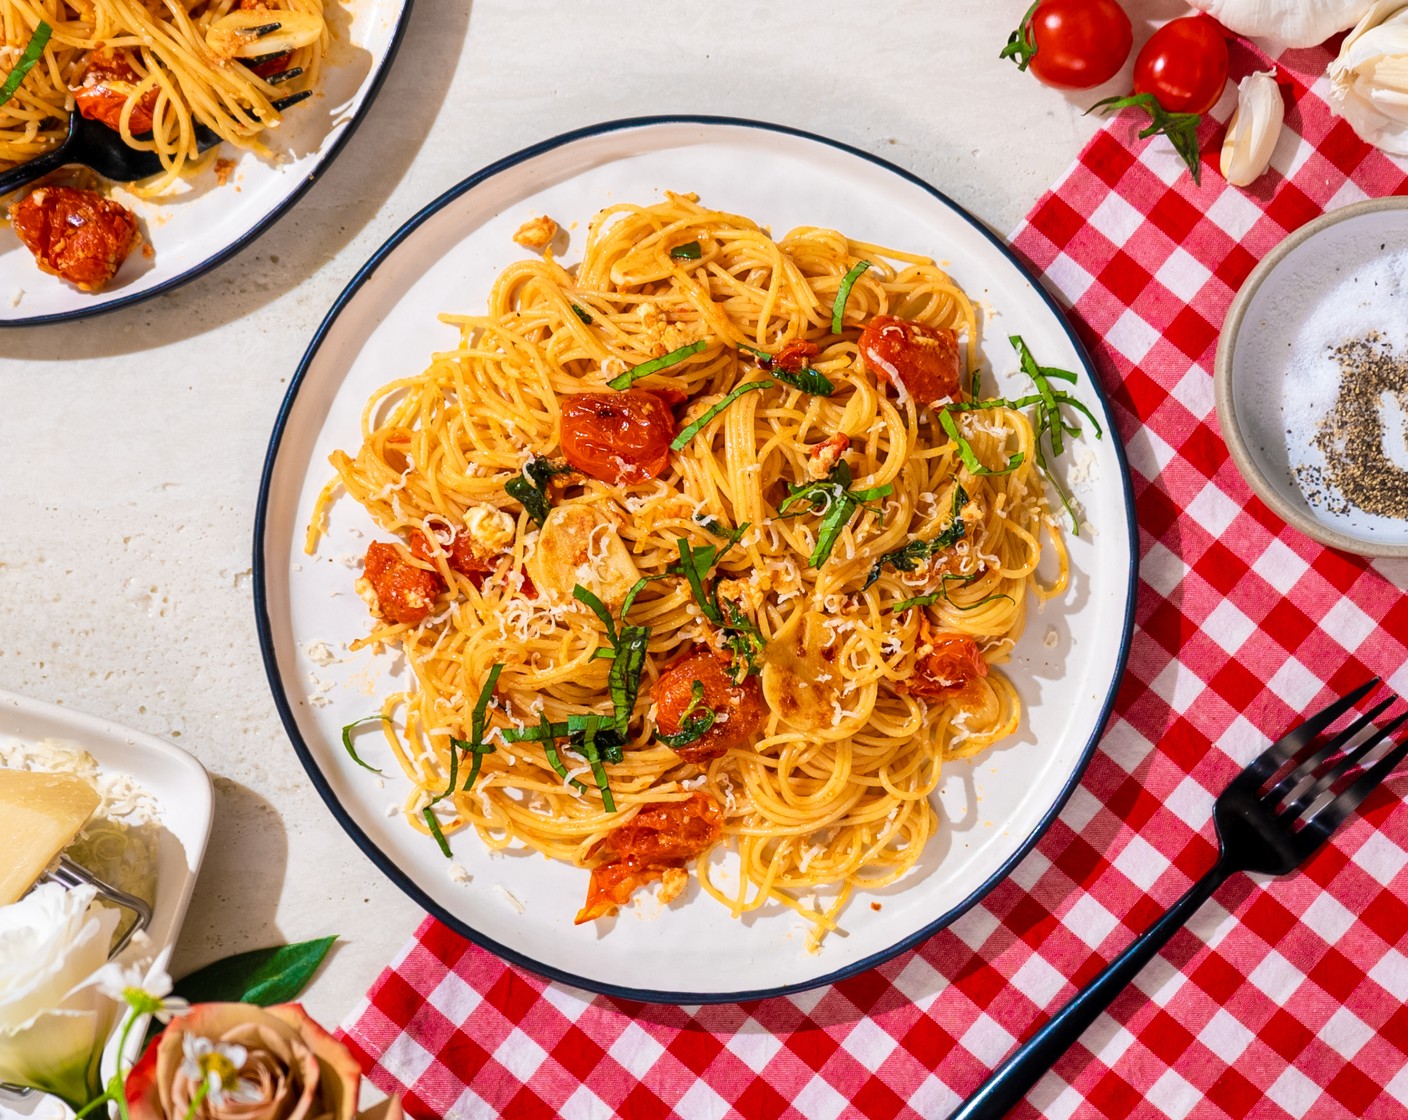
{"points": [[1369, 79], [1295, 23], [1254, 128]]}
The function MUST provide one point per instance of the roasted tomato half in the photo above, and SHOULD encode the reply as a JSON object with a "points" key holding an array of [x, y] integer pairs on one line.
{"points": [[921, 362], [951, 663], [462, 555], [657, 841], [77, 235], [617, 437], [739, 709], [404, 593], [109, 82]]}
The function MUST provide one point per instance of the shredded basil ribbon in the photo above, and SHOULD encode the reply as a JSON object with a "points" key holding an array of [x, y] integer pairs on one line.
{"points": [[475, 744], [35, 47], [347, 740], [843, 293], [970, 459], [432, 822], [681, 441], [581, 313], [917, 601], [689, 251], [693, 723], [907, 557], [835, 501], [530, 488], [655, 365], [806, 379]]}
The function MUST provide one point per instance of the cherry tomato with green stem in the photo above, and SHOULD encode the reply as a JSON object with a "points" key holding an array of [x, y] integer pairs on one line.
{"points": [[1184, 65], [1072, 44]]}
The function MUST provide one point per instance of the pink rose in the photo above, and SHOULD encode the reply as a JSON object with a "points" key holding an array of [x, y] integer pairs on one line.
{"points": [[246, 1063]]}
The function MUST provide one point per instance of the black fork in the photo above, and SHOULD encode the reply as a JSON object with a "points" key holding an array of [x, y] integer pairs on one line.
{"points": [[1262, 825]]}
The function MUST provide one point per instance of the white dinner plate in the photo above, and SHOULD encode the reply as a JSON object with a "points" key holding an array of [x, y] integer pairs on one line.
{"points": [[384, 326], [207, 223]]}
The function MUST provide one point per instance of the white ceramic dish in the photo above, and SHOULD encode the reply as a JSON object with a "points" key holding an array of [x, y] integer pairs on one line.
{"points": [[1273, 333], [384, 326], [172, 777], [207, 223]]}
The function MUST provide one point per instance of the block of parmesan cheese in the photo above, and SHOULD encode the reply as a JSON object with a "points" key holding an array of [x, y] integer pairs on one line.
{"points": [[40, 814]]}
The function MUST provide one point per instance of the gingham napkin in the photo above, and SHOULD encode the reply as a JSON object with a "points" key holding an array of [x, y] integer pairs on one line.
{"points": [[1283, 998]]}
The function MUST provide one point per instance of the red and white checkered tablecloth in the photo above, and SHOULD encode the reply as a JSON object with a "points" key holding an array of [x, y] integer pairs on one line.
{"points": [[1283, 998]]}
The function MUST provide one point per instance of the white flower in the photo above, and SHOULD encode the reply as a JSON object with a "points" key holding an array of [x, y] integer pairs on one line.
{"points": [[144, 987], [53, 1018], [217, 1065]]}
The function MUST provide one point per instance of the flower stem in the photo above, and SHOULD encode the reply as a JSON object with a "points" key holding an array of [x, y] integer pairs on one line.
{"points": [[198, 1100]]}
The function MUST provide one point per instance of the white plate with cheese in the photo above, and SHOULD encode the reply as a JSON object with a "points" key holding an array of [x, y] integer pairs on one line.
{"points": [[174, 780]]}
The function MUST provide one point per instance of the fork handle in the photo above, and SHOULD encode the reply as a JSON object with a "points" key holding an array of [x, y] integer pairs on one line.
{"points": [[27, 172], [1010, 1082]]}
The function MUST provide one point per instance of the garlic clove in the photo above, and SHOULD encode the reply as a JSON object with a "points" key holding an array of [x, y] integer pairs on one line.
{"points": [[1254, 128]]}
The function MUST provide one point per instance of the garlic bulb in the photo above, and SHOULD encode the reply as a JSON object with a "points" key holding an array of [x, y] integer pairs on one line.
{"points": [[1296, 23], [1369, 79], [1252, 132]]}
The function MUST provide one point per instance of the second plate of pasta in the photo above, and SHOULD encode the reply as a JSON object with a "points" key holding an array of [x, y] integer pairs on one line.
{"points": [[657, 567]]}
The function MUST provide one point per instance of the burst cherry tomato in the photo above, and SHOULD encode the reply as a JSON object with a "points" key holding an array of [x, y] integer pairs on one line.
{"points": [[949, 665], [738, 707], [76, 234], [1075, 44], [921, 362], [617, 437], [109, 81], [1184, 65]]}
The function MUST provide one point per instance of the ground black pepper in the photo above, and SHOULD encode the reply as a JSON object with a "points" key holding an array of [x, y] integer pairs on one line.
{"points": [[1357, 470]]}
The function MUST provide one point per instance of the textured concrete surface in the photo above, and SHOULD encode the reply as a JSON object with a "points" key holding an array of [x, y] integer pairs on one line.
{"points": [[134, 441]]}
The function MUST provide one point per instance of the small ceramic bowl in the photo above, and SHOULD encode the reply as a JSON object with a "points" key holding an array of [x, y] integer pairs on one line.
{"points": [[1277, 378]]}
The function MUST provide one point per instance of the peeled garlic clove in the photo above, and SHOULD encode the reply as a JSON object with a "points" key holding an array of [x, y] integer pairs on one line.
{"points": [[254, 33], [1254, 128]]}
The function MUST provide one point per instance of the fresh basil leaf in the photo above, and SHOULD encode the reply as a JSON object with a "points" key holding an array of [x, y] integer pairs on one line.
{"points": [[655, 365], [432, 822], [347, 740], [966, 453], [695, 721], [263, 977], [907, 557], [28, 57], [917, 601], [689, 251], [806, 379], [843, 293], [598, 608], [681, 441], [581, 313]]}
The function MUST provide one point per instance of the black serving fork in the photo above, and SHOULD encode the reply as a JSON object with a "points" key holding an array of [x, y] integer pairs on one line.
{"points": [[95, 145], [1262, 826]]}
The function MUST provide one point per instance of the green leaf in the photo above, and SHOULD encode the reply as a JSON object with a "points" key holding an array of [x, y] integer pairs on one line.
{"points": [[689, 251], [695, 720], [432, 822], [33, 49], [843, 293], [906, 558], [581, 313], [967, 454], [530, 488], [347, 740], [917, 601], [681, 441], [598, 608], [806, 379], [1180, 128], [655, 365], [262, 977]]}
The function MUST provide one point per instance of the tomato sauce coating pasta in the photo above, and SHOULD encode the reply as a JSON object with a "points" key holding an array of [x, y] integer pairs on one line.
{"points": [[825, 585]]}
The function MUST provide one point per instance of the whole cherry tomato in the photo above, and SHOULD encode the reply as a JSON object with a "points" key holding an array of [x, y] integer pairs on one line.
{"points": [[1073, 44], [1184, 65], [742, 704], [617, 437]]}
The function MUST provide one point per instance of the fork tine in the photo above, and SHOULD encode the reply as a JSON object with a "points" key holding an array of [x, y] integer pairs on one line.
{"points": [[284, 75], [1319, 827], [1307, 768], [1333, 774], [1298, 737], [292, 99]]}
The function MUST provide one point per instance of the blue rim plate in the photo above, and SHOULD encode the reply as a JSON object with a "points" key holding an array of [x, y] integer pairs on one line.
{"points": [[1066, 667], [193, 232]]}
